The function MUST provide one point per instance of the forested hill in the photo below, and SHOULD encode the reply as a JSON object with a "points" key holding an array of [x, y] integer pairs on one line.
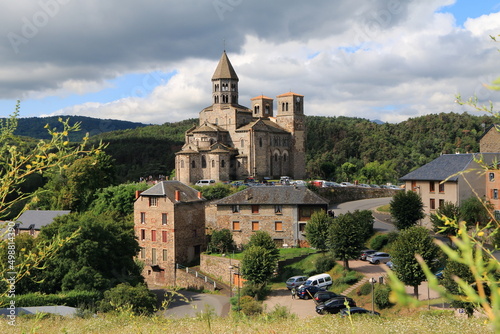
{"points": [[35, 126], [338, 148]]}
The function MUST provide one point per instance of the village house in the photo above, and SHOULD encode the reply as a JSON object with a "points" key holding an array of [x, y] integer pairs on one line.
{"points": [[32, 221], [169, 222], [282, 211]]}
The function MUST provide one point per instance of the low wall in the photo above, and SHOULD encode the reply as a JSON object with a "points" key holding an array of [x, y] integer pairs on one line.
{"points": [[217, 267], [189, 281], [338, 195]]}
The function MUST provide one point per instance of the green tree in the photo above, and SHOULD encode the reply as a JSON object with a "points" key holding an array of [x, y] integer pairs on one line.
{"points": [[138, 298], [258, 264], [410, 242], [345, 238], [221, 241], [118, 199], [441, 218], [407, 209], [98, 258], [365, 222], [317, 230], [475, 211], [456, 269], [264, 240]]}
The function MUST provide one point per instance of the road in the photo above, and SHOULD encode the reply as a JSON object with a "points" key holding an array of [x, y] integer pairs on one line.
{"points": [[367, 204]]}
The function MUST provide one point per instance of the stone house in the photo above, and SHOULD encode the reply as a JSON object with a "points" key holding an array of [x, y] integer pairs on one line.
{"points": [[233, 142], [32, 221], [490, 140], [282, 211], [169, 222], [451, 178]]}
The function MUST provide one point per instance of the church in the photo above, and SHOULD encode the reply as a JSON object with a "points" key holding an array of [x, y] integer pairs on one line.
{"points": [[234, 142]]}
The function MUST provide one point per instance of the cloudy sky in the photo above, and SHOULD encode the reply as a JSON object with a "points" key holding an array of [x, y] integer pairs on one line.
{"points": [[151, 61]]}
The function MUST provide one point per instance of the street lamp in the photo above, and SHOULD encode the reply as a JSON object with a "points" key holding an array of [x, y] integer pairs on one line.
{"points": [[373, 281], [231, 267]]}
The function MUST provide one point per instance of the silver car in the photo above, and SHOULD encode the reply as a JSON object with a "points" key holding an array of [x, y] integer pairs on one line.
{"points": [[295, 282], [378, 257]]}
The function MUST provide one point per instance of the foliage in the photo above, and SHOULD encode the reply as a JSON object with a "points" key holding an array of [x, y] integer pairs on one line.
{"points": [[448, 209], [221, 241], [475, 211], [264, 240], [365, 289], [365, 221], [346, 237], [412, 241], [256, 291], [324, 264], [141, 300], [258, 264], [250, 306], [98, 258], [379, 241], [317, 230], [406, 209], [456, 269], [69, 298], [119, 199], [217, 191], [381, 296]]}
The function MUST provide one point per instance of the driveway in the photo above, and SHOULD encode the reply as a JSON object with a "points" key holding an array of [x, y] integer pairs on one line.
{"points": [[301, 307], [189, 304]]}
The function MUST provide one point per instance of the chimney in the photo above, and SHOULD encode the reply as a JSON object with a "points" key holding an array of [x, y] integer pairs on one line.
{"points": [[177, 196], [138, 193], [199, 194]]}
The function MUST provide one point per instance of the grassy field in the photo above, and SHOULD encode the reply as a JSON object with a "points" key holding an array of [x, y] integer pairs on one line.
{"points": [[277, 322]]}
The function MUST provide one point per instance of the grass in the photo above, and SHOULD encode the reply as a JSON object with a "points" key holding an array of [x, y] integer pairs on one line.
{"points": [[285, 253], [412, 323], [384, 208]]}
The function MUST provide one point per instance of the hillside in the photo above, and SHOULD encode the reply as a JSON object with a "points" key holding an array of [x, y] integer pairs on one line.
{"points": [[35, 126]]}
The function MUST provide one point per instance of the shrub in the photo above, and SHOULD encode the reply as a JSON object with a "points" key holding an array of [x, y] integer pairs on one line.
{"points": [[379, 241], [70, 298], [138, 297], [324, 264], [250, 306], [382, 296], [281, 312], [258, 291], [365, 289], [350, 277]]}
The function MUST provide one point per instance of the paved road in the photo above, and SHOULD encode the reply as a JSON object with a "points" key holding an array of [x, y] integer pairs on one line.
{"points": [[195, 303], [380, 224]]}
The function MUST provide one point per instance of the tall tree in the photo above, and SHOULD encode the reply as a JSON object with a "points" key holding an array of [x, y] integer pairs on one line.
{"points": [[407, 209], [258, 264], [221, 241], [317, 230], [346, 238], [475, 211], [411, 241]]}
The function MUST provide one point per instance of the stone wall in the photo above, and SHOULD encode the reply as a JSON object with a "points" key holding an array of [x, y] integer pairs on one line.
{"points": [[217, 267], [189, 281], [337, 195]]}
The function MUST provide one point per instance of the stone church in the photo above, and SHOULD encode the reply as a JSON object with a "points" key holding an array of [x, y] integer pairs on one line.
{"points": [[234, 142]]}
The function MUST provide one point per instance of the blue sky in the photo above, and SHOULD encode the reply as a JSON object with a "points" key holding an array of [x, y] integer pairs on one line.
{"points": [[152, 61]]}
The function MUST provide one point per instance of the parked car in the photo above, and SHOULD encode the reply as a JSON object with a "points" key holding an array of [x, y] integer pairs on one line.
{"points": [[323, 296], [378, 257], [320, 280], [390, 265], [363, 185], [346, 184], [334, 305], [345, 312], [295, 281], [308, 291], [365, 253]]}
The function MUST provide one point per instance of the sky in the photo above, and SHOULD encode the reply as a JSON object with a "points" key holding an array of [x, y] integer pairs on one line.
{"points": [[152, 61]]}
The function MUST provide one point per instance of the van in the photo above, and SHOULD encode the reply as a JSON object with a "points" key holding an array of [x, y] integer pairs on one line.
{"points": [[202, 183], [321, 281]]}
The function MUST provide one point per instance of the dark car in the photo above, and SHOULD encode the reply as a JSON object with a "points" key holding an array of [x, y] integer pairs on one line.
{"points": [[323, 296], [307, 291], [356, 310], [365, 253], [334, 305]]}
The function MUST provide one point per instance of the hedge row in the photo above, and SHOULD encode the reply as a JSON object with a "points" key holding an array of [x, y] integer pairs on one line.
{"points": [[70, 298]]}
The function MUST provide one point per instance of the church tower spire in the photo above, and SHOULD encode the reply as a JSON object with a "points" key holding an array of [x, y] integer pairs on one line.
{"points": [[224, 82]]}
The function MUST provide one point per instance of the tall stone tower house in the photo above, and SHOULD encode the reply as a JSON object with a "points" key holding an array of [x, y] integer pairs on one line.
{"points": [[233, 142]]}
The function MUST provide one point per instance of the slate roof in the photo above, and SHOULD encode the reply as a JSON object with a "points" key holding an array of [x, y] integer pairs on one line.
{"points": [[224, 69], [168, 188], [37, 219], [268, 125], [274, 195], [446, 165]]}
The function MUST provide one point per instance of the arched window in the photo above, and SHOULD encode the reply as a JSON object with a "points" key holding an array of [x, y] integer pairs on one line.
{"points": [[193, 164], [276, 157], [260, 142], [182, 163], [285, 157], [203, 162], [242, 143], [213, 163], [222, 163]]}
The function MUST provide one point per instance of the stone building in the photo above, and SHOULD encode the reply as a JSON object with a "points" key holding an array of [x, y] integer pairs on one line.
{"points": [[235, 142], [282, 211], [169, 221], [490, 140]]}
